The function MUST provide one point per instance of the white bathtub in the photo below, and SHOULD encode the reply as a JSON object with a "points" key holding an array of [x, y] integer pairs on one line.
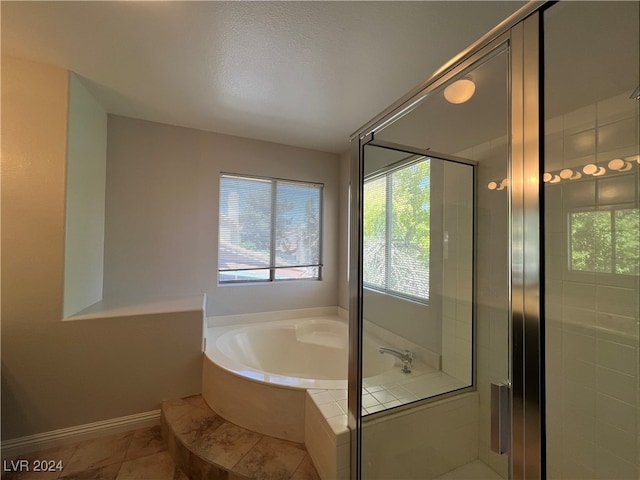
{"points": [[256, 375]]}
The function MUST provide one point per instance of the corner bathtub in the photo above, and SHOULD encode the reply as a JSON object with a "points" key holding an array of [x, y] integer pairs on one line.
{"points": [[256, 375]]}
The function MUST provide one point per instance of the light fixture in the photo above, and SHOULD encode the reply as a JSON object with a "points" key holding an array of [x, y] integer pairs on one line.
{"points": [[547, 177], [460, 91], [593, 169], [619, 165], [568, 174], [501, 185], [633, 158]]}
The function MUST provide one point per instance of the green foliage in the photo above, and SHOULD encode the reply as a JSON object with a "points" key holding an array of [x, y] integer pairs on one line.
{"points": [[404, 231], [606, 241], [411, 216], [627, 228]]}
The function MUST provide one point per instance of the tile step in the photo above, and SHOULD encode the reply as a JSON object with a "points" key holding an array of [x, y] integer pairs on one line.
{"points": [[207, 447]]}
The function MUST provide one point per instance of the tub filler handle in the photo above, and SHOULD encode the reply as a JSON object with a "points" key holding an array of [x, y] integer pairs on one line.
{"points": [[406, 357]]}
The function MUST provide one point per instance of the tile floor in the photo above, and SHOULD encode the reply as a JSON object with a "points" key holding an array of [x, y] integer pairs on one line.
{"points": [[475, 470], [136, 455]]}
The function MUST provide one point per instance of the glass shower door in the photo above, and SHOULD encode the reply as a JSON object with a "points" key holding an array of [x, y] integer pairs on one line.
{"points": [[435, 278], [592, 239]]}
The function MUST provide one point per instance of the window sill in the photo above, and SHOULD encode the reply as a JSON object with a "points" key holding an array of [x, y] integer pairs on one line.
{"points": [[122, 308]]}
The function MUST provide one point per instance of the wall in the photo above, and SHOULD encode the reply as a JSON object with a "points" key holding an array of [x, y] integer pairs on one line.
{"points": [[162, 215], [422, 442], [492, 286], [85, 199], [457, 272], [343, 264], [59, 374]]}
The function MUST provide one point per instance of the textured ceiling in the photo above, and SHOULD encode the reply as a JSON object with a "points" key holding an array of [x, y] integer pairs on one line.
{"points": [[298, 73]]}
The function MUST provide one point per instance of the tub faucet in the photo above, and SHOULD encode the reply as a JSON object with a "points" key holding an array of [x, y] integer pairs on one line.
{"points": [[406, 357]]}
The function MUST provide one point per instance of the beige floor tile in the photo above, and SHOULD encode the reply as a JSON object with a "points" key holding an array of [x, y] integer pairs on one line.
{"points": [[195, 401], [271, 459], [225, 445], [146, 441], [179, 475], [174, 409], [306, 470], [196, 424], [99, 453], [108, 472], [59, 454], [159, 466]]}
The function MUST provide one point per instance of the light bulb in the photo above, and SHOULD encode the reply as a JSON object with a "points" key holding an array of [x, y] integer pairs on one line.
{"points": [[566, 174], [547, 177], [460, 91], [492, 185], [590, 169], [619, 165]]}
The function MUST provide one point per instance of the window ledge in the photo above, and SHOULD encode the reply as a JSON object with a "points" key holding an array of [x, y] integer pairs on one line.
{"points": [[126, 308]]}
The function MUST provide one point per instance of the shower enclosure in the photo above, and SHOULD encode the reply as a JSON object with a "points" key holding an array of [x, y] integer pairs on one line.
{"points": [[495, 253]]}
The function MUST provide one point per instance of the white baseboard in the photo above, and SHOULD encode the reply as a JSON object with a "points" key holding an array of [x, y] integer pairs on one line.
{"points": [[71, 435]]}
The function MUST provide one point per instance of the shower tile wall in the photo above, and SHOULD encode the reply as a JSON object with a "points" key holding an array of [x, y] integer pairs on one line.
{"points": [[492, 291], [591, 318], [457, 285]]}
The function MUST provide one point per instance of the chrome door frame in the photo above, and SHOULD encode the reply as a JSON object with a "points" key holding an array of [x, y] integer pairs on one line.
{"points": [[521, 31]]}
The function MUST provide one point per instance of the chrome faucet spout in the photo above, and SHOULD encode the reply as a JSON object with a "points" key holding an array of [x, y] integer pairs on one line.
{"points": [[406, 357]]}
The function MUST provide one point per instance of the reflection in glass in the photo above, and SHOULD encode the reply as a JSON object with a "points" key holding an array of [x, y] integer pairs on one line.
{"points": [[396, 230], [416, 209], [592, 239]]}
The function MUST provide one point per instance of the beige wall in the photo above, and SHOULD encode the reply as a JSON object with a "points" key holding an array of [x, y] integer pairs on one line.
{"points": [[59, 374], [162, 215]]}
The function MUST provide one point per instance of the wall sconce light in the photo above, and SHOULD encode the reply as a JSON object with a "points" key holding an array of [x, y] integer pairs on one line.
{"points": [[460, 91], [593, 169], [550, 178], [501, 185], [619, 165], [568, 174]]}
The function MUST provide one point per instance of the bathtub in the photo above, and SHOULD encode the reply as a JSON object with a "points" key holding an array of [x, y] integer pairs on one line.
{"points": [[256, 375]]}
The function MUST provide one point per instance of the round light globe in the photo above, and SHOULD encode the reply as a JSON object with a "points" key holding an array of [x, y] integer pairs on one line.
{"points": [[460, 91]]}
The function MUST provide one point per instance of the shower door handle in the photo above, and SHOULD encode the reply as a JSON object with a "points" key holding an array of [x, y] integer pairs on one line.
{"points": [[500, 418]]}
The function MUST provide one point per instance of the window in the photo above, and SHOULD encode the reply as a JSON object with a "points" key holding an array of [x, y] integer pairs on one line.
{"points": [[396, 232], [605, 241], [269, 229]]}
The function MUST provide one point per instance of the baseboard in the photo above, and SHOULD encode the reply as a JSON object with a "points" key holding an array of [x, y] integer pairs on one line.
{"points": [[71, 435]]}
